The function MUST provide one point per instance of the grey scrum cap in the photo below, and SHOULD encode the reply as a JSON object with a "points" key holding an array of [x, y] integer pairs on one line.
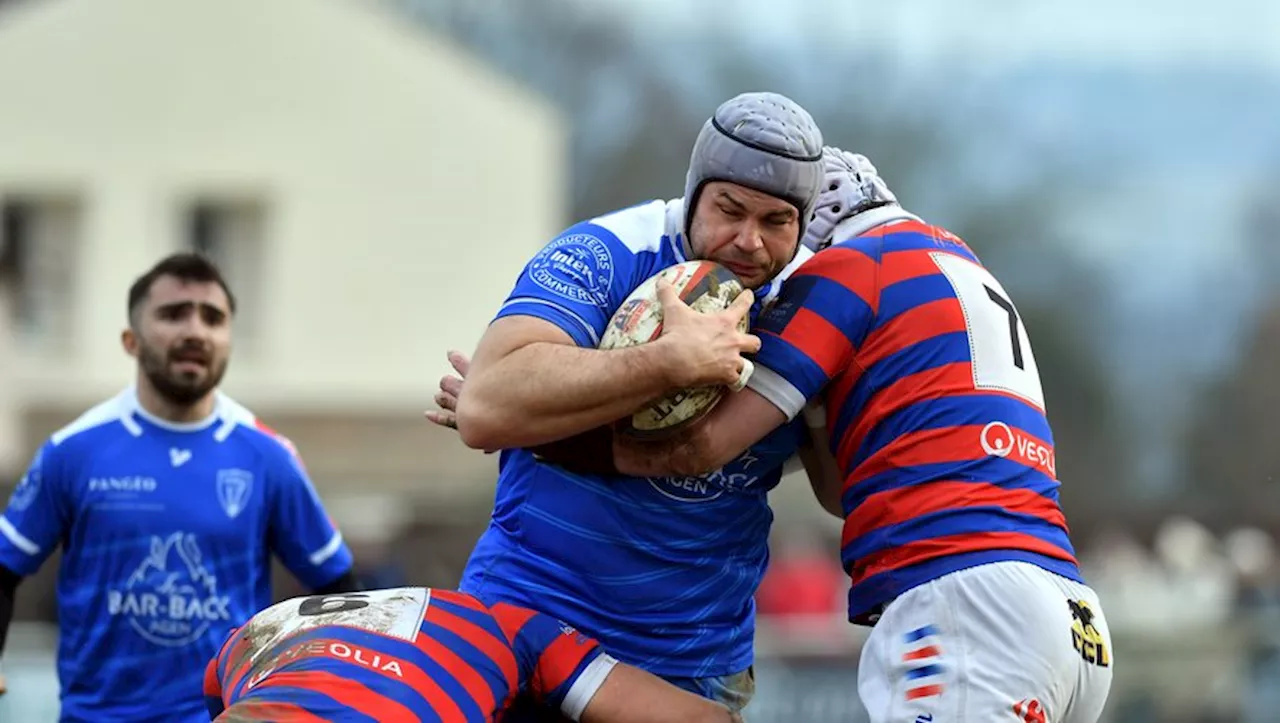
{"points": [[764, 141]]}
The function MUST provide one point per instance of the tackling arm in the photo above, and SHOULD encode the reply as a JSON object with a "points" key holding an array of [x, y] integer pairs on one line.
{"points": [[820, 464], [737, 422], [630, 695]]}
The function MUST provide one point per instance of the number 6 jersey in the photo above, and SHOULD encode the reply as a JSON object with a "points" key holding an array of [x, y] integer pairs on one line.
{"points": [[934, 406], [404, 654]]}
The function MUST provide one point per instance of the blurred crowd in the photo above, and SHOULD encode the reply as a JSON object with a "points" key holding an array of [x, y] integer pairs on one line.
{"points": [[1195, 616]]}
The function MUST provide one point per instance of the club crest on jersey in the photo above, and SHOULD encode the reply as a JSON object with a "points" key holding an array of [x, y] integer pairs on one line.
{"points": [[733, 477], [234, 488], [577, 267], [171, 599]]}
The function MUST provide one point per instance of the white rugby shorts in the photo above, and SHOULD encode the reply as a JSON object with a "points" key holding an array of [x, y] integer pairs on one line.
{"points": [[1002, 642]]}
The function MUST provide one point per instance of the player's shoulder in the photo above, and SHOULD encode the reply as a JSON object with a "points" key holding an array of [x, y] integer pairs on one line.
{"points": [[239, 420], [645, 227], [113, 416], [472, 608], [527, 629], [592, 261], [511, 618], [913, 235]]}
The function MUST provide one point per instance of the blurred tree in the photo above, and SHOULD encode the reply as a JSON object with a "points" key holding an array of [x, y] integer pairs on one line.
{"points": [[590, 67], [1232, 459], [1088, 425], [1232, 462]]}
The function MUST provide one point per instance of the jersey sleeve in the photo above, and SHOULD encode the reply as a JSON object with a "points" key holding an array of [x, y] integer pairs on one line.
{"points": [[575, 282], [561, 667], [301, 532], [812, 333], [38, 514]]}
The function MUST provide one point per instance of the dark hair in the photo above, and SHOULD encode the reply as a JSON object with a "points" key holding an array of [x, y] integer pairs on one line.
{"points": [[184, 266]]}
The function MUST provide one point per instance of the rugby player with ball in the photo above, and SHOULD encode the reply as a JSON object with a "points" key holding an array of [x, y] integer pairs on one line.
{"points": [[662, 570]]}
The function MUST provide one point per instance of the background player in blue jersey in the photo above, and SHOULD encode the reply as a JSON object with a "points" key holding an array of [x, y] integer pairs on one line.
{"points": [[954, 540], [420, 654], [662, 570], [167, 501]]}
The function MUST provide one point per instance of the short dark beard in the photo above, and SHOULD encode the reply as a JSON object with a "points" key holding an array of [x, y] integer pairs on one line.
{"points": [[176, 391]]}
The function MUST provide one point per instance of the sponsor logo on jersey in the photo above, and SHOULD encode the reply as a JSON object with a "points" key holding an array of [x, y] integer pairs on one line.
{"points": [[179, 457], [579, 638], [1085, 637], [129, 483], [1029, 710], [331, 649], [577, 267], [1000, 440], [171, 599], [733, 477]]}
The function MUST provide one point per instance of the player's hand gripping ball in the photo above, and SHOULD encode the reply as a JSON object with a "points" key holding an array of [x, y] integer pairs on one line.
{"points": [[706, 287]]}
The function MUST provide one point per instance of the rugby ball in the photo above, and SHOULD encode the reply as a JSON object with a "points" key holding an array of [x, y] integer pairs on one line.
{"points": [[705, 286]]}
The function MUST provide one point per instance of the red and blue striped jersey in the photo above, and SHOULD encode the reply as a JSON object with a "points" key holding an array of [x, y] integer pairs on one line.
{"points": [[415, 654], [934, 406]]}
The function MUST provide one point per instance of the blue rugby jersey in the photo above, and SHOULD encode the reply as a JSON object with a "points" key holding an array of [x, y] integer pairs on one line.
{"points": [[934, 405], [166, 531], [662, 571]]}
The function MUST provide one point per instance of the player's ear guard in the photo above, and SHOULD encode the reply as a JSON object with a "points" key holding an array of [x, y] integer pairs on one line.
{"points": [[590, 452]]}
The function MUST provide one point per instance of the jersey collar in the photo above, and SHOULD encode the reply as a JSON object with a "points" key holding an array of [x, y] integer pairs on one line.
{"points": [[675, 231], [135, 404], [861, 223]]}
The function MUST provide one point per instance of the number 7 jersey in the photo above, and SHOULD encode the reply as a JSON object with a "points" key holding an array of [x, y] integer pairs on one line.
{"points": [[934, 407]]}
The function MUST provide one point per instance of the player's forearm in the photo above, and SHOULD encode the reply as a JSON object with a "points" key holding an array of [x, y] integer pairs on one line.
{"points": [[692, 454], [823, 471], [737, 422], [630, 695], [543, 392]]}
